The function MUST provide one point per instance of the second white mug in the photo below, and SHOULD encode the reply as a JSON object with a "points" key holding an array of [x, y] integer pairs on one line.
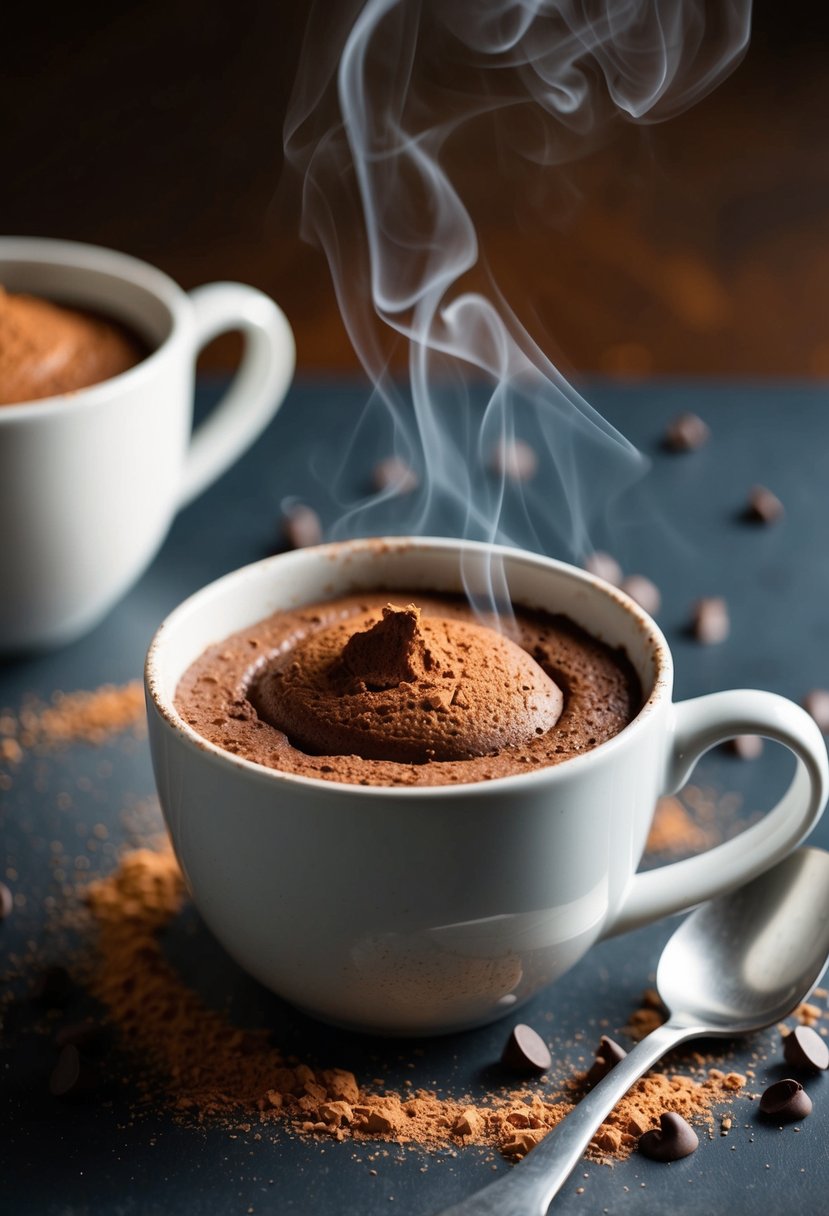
{"points": [[90, 481]]}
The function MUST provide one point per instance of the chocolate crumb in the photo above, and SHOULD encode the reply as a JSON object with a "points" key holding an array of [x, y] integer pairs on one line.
{"points": [[763, 507], [816, 703], [645, 593], [605, 566], [395, 475], [746, 747], [686, 433], [710, 623], [514, 459], [469, 1122], [808, 1013], [301, 527]]}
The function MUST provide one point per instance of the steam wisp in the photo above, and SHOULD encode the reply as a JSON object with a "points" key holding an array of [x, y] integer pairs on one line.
{"points": [[382, 100]]}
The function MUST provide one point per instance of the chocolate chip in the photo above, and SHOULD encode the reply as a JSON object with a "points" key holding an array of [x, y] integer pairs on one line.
{"points": [[608, 1055], [6, 901], [786, 1100], [644, 592], [394, 474], [710, 624], [804, 1048], [514, 459], [672, 1140], [526, 1051], [763, 507], [746, 747], [53, 987], [301, 527], [605, 566], [72, 1075], [816, 703], [686, 433]]}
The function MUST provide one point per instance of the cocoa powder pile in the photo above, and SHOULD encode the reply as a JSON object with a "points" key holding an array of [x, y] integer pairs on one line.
{"points": [[212, 1071]]}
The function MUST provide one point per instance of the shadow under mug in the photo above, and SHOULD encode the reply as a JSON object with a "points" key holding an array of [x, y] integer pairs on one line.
{"points": [[420, 910], [90, 480]]}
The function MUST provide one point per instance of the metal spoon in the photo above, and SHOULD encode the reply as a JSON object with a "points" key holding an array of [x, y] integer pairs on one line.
{"points": [[736, 964]]}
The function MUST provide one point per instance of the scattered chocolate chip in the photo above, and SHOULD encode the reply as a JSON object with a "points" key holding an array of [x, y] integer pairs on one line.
{"points": [[786, 1100], [86, 1034], [604, 565], [53, 987], [816, 703], [72, 1075], [804, 1048], [608, 1055], [301, 527], [710, 624], [6, 901], [526, 1051], [514, 459], [746, 747], [644, 592], [686, 433], [763, 507], [672, 1140], [394, 474]]}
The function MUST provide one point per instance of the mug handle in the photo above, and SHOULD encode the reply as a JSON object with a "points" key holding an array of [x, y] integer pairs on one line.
{"points": [[698, 725], [256, 390]]}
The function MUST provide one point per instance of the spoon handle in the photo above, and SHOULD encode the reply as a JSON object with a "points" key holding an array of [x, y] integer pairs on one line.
{"points": [[530, 1186]]}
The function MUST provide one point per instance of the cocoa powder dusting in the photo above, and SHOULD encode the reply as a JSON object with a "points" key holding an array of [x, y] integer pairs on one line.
{"points": [[212, 1071], [673, 830], [87, 717]]}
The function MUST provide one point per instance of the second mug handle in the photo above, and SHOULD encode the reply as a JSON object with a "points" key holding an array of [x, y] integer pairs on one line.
{"points": [[699, 724], [256, 390]]}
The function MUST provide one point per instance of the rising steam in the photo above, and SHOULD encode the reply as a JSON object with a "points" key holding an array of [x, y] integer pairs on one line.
{"points": [[384, 94]]}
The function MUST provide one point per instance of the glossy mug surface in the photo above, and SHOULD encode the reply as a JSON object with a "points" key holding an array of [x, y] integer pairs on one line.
{"points": [[90, 480], [430, 909]]}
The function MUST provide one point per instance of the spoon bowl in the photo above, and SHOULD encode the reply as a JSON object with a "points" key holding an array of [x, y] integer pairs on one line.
{"points": [[744, 960]]}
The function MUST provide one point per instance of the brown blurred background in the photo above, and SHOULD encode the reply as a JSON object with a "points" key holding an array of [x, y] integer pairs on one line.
{"points": [[699, 246]]}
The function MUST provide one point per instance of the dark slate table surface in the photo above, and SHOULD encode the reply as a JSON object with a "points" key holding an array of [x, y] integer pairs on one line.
{"points": [[679, 525]]}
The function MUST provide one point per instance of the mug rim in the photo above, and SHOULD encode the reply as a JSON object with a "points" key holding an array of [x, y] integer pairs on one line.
{"points": [[165, 708], [80, 255]]}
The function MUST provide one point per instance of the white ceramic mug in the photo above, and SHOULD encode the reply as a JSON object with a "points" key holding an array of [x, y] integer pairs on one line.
{"points": [[427, 909], [90, 480]]}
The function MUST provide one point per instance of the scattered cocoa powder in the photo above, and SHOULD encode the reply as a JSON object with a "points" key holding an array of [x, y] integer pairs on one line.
{"points": [[210, 1070], [87, 717], [808, 1014], [673, 830], [696, 819], [650, 1014]]}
